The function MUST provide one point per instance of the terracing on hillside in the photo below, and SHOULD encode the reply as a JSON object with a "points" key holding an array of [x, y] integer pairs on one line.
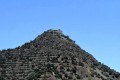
{"points": [[52, 56]]}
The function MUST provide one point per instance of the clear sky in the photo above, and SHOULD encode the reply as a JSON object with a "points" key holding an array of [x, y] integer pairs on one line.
{"points": [[93, 24]]}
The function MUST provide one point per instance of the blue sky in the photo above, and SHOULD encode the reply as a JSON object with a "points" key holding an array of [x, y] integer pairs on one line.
{"points": [[93, 24]]}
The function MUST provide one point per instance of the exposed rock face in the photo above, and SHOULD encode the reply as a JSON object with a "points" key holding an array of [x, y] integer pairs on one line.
{"points": [[52, 56]]}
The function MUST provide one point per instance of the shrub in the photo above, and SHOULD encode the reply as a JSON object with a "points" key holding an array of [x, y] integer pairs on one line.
{"points": [[68, 69], [74, 70], [78, 76], [81, 64], [66, 75]]}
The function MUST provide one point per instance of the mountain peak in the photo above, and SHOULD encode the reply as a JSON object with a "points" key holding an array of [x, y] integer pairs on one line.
{"points": [[52, 56], [52, 35], [59, 31]]}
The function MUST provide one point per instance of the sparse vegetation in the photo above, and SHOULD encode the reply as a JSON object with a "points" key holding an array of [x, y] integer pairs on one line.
{"points": [[52, 54]]}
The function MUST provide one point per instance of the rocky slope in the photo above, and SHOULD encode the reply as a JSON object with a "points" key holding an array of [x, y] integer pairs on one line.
{"points": [[52, 56]]}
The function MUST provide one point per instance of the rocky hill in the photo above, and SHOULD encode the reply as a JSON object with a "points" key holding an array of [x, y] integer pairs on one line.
{"points": [[52, 56]]}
